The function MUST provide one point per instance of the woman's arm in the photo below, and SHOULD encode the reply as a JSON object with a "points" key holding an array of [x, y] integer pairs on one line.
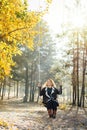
{"points": [[59, 90], [41, 91]]}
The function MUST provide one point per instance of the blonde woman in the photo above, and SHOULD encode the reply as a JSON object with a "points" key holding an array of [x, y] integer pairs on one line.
{"points": [[49, 93]]}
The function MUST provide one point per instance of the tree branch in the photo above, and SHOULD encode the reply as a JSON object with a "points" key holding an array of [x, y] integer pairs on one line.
{"points": [[18, 29]]}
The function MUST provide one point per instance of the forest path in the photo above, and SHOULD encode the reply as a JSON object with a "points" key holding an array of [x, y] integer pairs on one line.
{"points": [[15, 115]]}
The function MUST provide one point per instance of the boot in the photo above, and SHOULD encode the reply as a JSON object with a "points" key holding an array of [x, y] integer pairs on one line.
{"points": [[54, 113], [50, 113]]}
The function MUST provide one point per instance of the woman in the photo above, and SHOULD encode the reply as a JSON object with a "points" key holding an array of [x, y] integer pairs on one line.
{"points": [[49, 93]]}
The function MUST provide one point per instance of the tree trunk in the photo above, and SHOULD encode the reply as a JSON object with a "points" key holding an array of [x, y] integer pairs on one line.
{"points": [[0, 91], [39, 87], [3, 89], [74, 77], [31, 83], [17, 89], [77, 84], [14, 88], [25, 99], [9, 92], [33, 92], [32, 86], [83, 80]]}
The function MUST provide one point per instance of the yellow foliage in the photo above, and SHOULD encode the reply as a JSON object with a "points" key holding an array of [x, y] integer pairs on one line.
{"points": [[6, 125], [6, 53], [62, 106], [3, 123], [16, 27], [49, 1]]}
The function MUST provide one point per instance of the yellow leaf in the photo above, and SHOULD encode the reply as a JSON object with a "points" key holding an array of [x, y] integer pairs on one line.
{"points": [[49, 1]]}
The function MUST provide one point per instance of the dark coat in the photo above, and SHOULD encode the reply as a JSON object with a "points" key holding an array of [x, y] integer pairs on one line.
{"points": [[53, 95]]}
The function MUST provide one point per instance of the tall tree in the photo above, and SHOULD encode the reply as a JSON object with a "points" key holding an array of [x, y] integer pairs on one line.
{"points": [[76, 34], [16, 27]]}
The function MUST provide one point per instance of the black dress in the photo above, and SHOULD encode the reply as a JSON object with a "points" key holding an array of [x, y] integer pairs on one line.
{"points": [[50, 97]]}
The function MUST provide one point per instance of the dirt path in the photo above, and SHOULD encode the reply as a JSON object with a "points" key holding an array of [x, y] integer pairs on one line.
{"points": [[32, 116]]}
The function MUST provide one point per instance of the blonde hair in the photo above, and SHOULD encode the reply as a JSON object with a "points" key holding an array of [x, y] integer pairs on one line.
{"points": [[45, 84]]}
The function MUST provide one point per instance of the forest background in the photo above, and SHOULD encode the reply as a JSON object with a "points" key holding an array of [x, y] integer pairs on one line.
{"points": [[31, 53]]}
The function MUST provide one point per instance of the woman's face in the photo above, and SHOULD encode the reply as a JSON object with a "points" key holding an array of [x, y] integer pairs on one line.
{"points": [[49, 83]]}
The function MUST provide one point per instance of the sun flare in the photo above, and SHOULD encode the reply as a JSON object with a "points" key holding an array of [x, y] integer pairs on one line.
{"points": [[77, 21]]}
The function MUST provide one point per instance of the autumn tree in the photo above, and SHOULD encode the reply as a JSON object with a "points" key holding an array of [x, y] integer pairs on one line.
{"points": [[16, 27]]}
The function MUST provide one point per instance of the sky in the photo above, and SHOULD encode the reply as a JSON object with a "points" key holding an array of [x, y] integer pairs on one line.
{"points": [[57, 15], [54, 17]]}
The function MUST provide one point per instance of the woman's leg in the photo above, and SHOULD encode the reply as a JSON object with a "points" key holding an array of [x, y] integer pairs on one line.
{"points": [[54, 113], [54, 109], [50, 113], [50, 108]]}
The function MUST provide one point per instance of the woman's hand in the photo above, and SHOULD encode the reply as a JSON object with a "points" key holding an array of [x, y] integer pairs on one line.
{"points": [[39, 85]]}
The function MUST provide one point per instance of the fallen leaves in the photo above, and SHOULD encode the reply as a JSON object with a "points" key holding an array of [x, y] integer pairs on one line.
{"points": [[62, 106], [3, 123], [7, 125]]}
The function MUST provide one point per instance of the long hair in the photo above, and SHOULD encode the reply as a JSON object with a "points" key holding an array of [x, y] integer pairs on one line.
{"points": [[45, 84]]}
